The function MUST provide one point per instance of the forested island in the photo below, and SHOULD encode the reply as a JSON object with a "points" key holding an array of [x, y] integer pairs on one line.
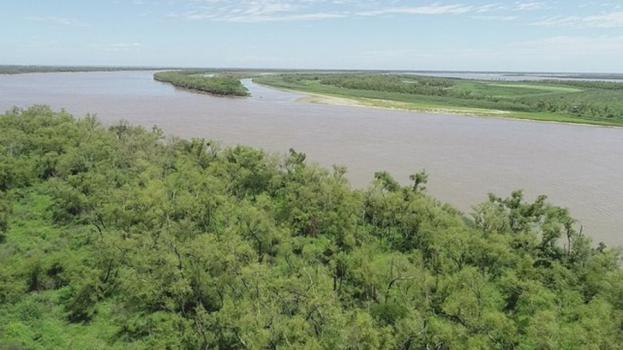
{"points": [[569, 101], [117, 237], [224, 84]]}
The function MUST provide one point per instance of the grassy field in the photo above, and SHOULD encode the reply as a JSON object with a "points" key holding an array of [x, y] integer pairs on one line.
{"points": [[597, 103], [217, 84]]}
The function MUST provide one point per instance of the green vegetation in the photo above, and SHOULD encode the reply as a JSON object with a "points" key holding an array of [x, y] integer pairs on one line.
{"points": [[117, 238], [217, 84], [599, 103]]}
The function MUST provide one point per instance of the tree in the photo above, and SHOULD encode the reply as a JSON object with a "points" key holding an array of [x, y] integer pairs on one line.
{"points": [[5, 211], [183, 244], [419, 181]]}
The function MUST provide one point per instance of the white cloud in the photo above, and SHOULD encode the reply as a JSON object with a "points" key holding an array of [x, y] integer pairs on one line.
{"points": [[435, 9], [248, 11], [300, 10], [55, 20], [529, 5], [607, 20], [247, 17]]}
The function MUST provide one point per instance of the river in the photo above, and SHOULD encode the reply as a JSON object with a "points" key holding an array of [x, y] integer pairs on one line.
{"points": [[579, 167]]}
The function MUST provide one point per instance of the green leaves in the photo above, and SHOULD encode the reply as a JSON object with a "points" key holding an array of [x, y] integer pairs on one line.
{"points": [[226, 85], [5, 212], [115, 238]]}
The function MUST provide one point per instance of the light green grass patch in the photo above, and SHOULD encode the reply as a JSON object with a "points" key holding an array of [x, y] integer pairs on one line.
{"points": [[480, 99], [545, 88]]}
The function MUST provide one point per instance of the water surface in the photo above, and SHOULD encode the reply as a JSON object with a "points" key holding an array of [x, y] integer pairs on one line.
{"points": [[579, 167]]}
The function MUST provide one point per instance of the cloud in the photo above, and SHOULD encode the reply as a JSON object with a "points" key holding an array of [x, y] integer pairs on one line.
{"points": [[529, 5], [307, 10], [56, 20], [249, 11], [258, 17], [434, 9], [607, 20]]}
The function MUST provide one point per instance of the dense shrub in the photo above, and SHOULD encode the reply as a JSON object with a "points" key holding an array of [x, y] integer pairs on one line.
{"points": [[134, 242]]}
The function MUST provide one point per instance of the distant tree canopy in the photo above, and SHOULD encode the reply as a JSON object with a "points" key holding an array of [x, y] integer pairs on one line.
{"points": [[4, 216], [20, 69], [117, 238], [391, 83], [213, 83]]}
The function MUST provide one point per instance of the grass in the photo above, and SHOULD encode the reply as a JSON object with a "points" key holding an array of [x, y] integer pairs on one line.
{"points": [[509, 91], [540, 101], [544, 88]]}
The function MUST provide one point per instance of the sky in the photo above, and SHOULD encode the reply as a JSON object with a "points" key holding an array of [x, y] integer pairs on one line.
{"points": [[489, 35]]}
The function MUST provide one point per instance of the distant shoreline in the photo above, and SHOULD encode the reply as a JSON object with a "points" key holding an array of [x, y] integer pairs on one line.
{"points": [[10, 70], [350, 98], [310, 97], [18, 69]]}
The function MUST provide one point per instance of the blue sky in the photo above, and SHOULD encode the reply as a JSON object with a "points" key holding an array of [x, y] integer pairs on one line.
{"points": [[573, 35]]}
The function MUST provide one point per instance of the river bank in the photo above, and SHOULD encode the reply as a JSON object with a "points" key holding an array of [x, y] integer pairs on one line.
{"points": [[513, 101], [578, 167]]}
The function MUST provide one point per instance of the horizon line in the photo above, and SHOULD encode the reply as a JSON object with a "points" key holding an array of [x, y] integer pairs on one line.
{"points": [[151, 67]]}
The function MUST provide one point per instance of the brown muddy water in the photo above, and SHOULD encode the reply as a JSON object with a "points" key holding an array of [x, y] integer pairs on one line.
{"points": [[579, 167]]}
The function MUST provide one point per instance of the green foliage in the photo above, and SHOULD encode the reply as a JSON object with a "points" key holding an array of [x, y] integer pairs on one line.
{"points": [[5, 211], [391, 83], [226, 85], [589, 101], [419, 180], [117, 238]]}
